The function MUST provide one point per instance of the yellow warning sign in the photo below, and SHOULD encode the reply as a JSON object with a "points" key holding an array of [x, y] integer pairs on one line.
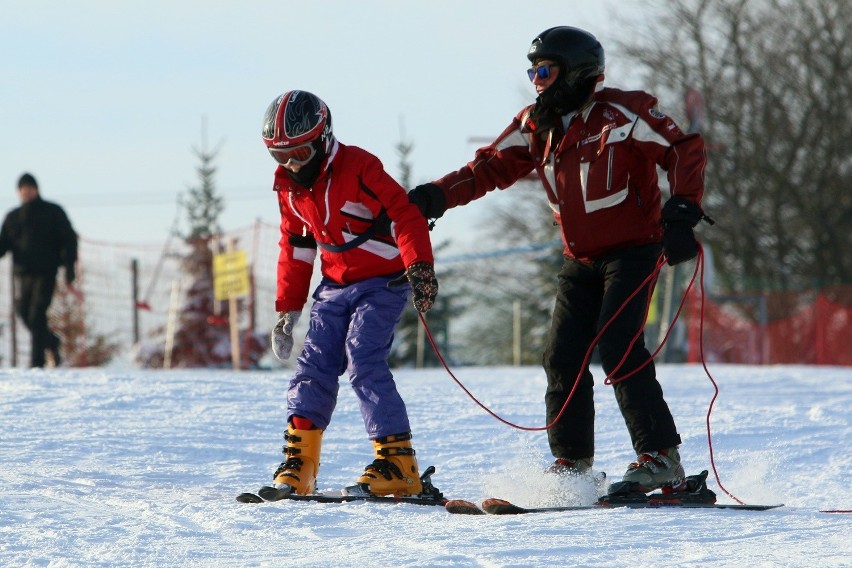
{"points": [[230, 275]]}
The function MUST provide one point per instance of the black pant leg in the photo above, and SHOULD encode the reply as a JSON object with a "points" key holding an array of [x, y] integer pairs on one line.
{"points": [[575, 314], [35, 293], [640, 397]]}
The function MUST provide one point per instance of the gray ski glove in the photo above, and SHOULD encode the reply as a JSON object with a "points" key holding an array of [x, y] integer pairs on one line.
{"points": [[282, 334]]}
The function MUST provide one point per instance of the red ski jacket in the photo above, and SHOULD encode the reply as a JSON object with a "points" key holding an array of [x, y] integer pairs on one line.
{"points": [[599, 171], [344, 203]]}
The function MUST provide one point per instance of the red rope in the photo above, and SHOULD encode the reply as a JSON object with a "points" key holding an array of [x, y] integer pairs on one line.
{"points": [[464, 388], [651, 277], [699, 266], [699, 269]]}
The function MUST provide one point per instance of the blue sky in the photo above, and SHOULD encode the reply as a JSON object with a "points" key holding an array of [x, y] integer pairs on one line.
{"points": [[104, 101]]}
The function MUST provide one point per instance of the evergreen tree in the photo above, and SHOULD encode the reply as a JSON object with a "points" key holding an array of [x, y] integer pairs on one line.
{"points": [[202, 335], [204, 205]]}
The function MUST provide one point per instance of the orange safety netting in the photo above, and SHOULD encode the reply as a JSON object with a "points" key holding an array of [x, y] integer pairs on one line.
{"points": [[808, 327]]}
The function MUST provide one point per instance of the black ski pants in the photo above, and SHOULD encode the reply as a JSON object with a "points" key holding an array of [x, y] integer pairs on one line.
{"points": [[34, 292], [588, 295]]}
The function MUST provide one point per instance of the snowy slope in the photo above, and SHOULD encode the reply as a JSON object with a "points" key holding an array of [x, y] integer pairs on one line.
{"points": [[140, 468]]}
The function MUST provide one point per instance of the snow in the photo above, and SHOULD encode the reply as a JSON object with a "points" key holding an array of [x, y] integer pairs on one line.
{"points": [[104, 467]]}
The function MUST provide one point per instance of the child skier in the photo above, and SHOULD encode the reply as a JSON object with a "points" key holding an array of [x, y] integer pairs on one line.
{"points": [[373, 244]]}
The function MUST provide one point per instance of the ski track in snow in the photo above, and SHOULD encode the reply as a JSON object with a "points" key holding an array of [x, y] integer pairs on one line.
{"points": [[104, 467]]}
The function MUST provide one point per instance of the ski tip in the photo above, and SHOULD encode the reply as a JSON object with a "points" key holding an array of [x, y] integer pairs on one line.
{"points": [[501, 507], [249, 498], [462, 507]]}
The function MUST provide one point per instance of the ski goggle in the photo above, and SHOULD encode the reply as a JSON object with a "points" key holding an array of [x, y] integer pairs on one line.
{"points": [[298, 155], [542, 71]]}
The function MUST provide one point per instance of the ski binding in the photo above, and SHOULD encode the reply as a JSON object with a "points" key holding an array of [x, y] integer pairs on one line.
{"points": [[430, 495]]}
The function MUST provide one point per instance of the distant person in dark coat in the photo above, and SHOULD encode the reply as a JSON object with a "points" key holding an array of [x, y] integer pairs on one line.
{"points": [[41, 239]]}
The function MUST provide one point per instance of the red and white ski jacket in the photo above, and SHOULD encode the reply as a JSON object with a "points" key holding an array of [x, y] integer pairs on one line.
{"points": [[342, 204], [599, 172]]}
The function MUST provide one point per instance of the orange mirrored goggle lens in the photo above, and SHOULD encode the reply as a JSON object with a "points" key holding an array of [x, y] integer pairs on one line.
{"points": [[301, 154]]}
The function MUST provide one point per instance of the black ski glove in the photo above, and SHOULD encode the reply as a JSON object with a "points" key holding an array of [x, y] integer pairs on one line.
{"points": [[679, 243], [429, 198], [679, 217], [424, 285]]}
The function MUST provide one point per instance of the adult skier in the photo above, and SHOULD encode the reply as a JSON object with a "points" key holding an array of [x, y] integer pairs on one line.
{"points": [[596, 151]]}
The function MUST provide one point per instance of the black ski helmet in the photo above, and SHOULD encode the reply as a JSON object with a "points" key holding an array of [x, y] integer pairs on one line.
{"points": [[581, 59]]}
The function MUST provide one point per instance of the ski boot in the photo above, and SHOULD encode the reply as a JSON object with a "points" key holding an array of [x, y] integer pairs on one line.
{"points": [[298, 473], [567, 466], [655, 470], [394, 471]]}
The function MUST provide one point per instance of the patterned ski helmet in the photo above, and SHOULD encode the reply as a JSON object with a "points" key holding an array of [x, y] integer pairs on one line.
{"points": [[297, 128]]}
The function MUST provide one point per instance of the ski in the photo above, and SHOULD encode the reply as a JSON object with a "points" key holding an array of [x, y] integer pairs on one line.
{"points": [[462, 507], [695, 495], [249, 498], [502, 507], [429, 496]]}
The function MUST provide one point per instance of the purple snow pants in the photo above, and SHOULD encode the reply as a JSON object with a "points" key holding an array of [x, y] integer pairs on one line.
{"points": [[351, 330]]}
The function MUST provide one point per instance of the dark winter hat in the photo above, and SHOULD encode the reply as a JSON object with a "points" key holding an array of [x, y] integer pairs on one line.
{"points": [[27, 179]]}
